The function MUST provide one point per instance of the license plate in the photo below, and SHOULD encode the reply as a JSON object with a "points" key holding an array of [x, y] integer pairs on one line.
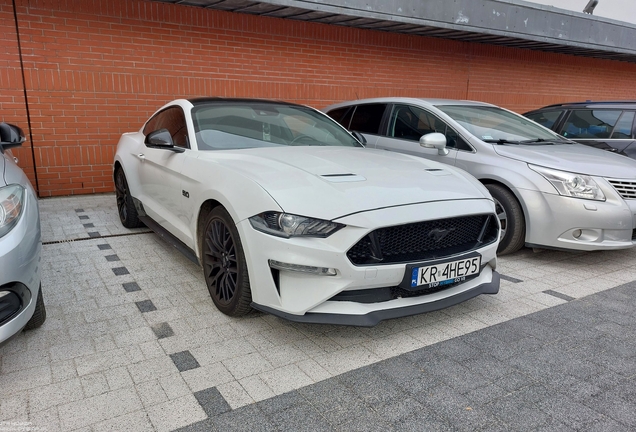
{"points": [[445, 273]]}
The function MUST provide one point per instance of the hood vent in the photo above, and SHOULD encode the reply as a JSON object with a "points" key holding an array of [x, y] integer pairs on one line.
{"points": [[342, 178], [438, 171]]}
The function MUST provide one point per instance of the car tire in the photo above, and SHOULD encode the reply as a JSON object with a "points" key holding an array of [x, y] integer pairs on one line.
{"points": [[125, 206], [39, 315], [510, 215], [224, 265]]}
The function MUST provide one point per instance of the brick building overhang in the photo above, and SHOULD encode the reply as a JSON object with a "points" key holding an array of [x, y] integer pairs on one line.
{"points": [[512, 23]]}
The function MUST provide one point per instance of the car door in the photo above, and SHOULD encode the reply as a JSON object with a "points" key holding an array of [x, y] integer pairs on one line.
{"points": [[609, 129], [406, 124], [160, 171]]}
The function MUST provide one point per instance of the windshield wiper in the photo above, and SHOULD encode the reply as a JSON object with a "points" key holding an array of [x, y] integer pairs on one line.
{"points": [[545, 141], [501, 141]]}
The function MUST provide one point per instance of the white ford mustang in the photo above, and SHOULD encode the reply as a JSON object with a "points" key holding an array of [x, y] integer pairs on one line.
{"points": [[287, 213]]}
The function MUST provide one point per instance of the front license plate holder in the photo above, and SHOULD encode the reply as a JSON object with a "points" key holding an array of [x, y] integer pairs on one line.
{"points": [[425, 275]]}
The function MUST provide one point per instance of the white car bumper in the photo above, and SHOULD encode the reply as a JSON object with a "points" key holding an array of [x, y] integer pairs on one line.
{"points": [[357, 294]]}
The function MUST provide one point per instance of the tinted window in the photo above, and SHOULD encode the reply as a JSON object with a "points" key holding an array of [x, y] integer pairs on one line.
{"points": [[623, 129], [545, 118], [590, 123], [338, 114], [172, 119], [411, 123], [367, 118]]}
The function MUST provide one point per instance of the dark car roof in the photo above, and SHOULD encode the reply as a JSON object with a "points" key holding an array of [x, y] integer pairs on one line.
{"points": [[206, 100]]}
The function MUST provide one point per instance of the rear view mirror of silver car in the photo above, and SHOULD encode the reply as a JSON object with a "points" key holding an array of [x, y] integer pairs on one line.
{"points": [[10, 136], [435, 140]]}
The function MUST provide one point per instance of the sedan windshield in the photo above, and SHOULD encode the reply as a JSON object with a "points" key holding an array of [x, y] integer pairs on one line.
{"points": [[496, 125], [239, 125]]}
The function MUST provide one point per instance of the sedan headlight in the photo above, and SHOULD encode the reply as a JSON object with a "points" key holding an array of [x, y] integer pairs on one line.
{"points": [[288, 225], [11, 205], [571, 184]]}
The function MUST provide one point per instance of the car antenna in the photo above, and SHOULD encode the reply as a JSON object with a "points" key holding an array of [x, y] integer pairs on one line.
{"points": [[357, 97]]}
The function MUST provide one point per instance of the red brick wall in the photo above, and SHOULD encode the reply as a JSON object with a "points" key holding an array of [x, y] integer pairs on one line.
{"points": [[12, 101], [95, 69]]}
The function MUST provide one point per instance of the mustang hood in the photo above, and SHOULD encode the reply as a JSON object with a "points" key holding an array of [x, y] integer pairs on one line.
{"points": [[576, 158], [330, 182]]}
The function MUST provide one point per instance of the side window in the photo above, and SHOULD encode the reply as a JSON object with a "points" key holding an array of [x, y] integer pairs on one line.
{"points": [[545, 118], [410, 123], [367, 118], [590, 123], [172, 119], [623, 129], [340, 114]]}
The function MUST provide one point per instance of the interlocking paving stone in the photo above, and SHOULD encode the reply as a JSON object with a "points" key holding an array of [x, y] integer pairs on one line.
{"points": [[547, 385], [559, 295], [162, 330], [112, 258], [131, 286], [184, 361], [146, 306], [582, 350], [104, 246], [119, 271], [212, 402], [510, 278]]}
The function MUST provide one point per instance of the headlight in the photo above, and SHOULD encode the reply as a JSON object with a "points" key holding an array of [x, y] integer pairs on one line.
{"points": [[288, 225], [11, 205], [570, 184]]}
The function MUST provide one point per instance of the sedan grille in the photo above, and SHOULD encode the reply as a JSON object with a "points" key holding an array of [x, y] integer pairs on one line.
{"points": [[625, 188], [425, 240]]}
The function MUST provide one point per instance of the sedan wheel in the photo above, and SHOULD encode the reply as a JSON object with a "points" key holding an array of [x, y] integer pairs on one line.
{"points": [[127, 211], [510, 214], [224, 265]]}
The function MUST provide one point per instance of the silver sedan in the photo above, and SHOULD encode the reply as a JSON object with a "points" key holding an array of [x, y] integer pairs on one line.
{"points": [[21, 303], [550, 192]]}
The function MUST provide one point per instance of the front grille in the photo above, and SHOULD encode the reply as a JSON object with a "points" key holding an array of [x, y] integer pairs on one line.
{"points": [[424, 240], [625, 188]]}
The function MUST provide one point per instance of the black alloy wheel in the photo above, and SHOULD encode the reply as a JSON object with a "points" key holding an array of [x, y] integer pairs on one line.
{"points": [[224, 265], [125, 206]]}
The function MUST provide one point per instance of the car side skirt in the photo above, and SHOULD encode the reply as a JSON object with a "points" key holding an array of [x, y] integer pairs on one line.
{"points": [[373, 318], [169, 238]]}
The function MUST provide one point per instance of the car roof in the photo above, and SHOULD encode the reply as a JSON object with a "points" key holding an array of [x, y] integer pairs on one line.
{"points": [[593, 104], [421, 101], [205, 100]]}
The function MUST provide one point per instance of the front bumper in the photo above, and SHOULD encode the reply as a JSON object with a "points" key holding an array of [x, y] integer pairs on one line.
{"points": [[20, 267], [303, 297], [554, 221]]}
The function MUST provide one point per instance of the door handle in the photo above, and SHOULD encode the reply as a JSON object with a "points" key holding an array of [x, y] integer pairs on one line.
{"points": [[141, 156]]}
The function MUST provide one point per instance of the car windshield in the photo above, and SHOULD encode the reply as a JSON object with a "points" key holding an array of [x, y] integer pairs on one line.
{"points": [[239, 125], [496, 125]]}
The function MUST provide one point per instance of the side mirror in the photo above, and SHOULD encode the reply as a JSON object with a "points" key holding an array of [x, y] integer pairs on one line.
{"points": [[162, 139], [435, 140], [10, 136], [357, 135]]}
